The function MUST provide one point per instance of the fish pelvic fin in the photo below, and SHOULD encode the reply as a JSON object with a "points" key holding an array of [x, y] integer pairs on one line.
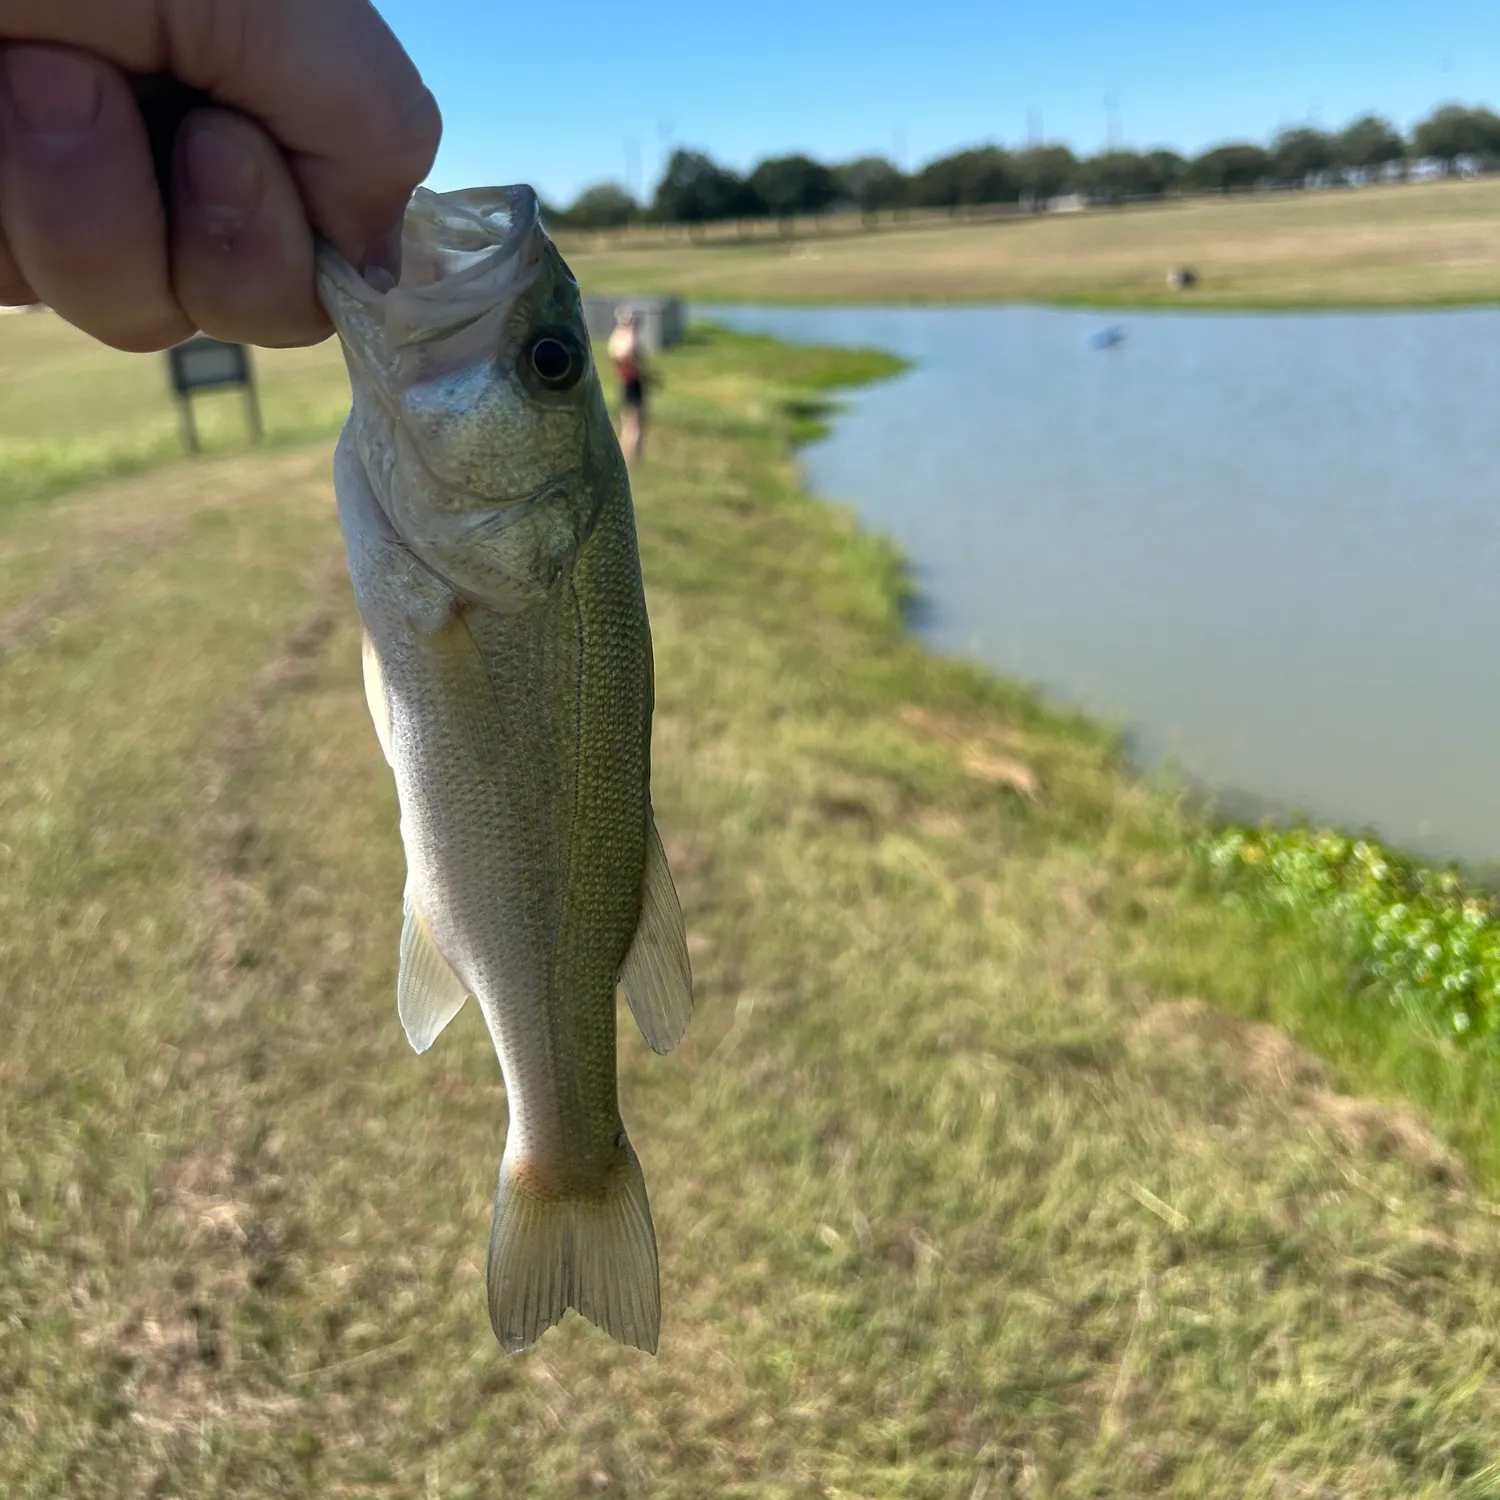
{"points": [[657, 976], [596, 1254], [428, 993], [380, 709]]}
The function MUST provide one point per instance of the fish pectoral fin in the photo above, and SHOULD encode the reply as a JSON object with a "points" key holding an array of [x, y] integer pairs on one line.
{"points": [[428, 993], [656, 974], [380, 708]]}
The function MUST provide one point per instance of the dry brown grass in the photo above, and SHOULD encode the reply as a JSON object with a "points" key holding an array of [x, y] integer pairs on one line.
{"points": [[1415, 244]]}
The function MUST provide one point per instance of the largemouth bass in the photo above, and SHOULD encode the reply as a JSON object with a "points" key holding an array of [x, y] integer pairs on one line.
{"points": [[487, 516]]}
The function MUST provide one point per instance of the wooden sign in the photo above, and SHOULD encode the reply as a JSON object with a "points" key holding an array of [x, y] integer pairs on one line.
{"points": [[205, 364]]}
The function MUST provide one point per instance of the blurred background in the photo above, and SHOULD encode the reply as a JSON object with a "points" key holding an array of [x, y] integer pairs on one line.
{"points": [[1066, 474]]}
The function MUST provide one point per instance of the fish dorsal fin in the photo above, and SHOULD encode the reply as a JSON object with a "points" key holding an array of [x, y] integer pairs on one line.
{"points": [[656, 975], [428, 993], [380, 708]]}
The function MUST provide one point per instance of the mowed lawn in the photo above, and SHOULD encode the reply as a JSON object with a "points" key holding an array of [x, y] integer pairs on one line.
{"points": [[975, 1176], [1414, 244]]}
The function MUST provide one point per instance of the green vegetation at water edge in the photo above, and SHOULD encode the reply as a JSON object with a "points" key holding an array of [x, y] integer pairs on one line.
{"points": [[979, 1172], [1419, 938]]}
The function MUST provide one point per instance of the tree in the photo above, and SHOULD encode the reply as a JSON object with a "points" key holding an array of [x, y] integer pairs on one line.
{"points": [[791, 185], [1368, 143], [1162, 171], [1120, 174], [1487, 128], [696, 189], [870, 183], [985, 174], [1045, 171], [1454, 131], [1226, 168], [938, 185], [1300, 153], [606, 205]]}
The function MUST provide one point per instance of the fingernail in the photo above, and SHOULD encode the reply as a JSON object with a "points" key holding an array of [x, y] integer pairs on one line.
{"points": [[52, 92], [219, 174]]}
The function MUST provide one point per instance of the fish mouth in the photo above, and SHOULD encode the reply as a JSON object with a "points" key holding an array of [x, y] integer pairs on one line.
{"points": [[461, 253]]}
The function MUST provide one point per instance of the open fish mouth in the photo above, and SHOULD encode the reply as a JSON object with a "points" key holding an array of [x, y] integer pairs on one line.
{"points": [[451, 237], [461, 254]]}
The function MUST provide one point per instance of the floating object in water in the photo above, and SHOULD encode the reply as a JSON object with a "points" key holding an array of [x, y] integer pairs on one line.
{"points": [[1111, 338]]}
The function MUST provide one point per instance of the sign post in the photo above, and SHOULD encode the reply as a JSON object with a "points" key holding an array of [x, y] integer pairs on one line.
{"points": [[205, 364]]}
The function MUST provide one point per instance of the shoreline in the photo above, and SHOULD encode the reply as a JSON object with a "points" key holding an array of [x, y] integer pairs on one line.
{"points": [[1221, 805], [1291, 867]]}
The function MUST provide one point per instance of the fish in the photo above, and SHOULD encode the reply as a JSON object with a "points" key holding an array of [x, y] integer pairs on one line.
{"points": [[487, 517]]}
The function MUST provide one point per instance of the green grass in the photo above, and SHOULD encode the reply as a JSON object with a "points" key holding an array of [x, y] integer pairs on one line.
{"points": [[979, 1173], [1411, 245], [73, 411], [1424, 940]]}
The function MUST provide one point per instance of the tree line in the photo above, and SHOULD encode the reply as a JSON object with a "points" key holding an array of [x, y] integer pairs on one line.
{"points": [[695, 189]]}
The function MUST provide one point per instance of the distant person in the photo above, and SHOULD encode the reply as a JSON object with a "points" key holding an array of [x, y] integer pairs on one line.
{"points": [[294, 118], [628, 351]]}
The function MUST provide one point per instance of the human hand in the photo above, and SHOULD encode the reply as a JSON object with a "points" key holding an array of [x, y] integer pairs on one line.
{"points": [[313, 121]]}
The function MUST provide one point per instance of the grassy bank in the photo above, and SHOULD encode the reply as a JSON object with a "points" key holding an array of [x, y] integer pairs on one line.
{"points": [[1414, 245], [73, 411], [978, 1174]]}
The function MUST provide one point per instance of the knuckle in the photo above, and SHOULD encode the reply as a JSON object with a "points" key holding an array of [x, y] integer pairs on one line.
{"points": [[208, 42]]}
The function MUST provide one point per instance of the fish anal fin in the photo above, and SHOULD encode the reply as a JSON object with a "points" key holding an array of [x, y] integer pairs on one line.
{"points": [[594, 1253], [380, 708], [428, 993], [656, 975]]}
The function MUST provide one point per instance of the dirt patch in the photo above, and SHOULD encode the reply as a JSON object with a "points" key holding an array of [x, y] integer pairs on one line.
{"points": [[231, 836], [125, 523], [174, 1348], [177, 1346], [1266, 1062]]}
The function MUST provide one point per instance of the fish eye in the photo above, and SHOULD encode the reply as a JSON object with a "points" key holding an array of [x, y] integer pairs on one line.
{"points": [[556, 361]]}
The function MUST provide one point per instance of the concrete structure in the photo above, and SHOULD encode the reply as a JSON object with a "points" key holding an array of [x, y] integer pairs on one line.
{"points": [[663, 319]]}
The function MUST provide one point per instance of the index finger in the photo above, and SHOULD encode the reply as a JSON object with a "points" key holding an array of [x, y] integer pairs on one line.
{"points": [[326, 78]]}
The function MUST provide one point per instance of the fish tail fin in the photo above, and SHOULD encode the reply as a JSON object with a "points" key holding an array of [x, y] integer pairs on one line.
{"points": [[595, 1253]]}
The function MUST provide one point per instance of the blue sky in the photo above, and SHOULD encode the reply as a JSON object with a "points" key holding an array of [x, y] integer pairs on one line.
{"points": [[566, 95]]}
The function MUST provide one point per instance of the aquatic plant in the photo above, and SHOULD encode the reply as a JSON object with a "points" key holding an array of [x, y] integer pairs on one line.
{"points": [[1420, 939]]}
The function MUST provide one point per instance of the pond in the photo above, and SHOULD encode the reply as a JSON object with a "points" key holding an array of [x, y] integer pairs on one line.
{"points": [[1268, 545]]}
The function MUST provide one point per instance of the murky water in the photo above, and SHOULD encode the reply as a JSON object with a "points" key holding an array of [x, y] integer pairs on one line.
{"points": [[1268, 545]]}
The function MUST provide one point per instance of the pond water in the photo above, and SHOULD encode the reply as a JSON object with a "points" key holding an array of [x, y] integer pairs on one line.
{"points": [[1268, 545]]}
